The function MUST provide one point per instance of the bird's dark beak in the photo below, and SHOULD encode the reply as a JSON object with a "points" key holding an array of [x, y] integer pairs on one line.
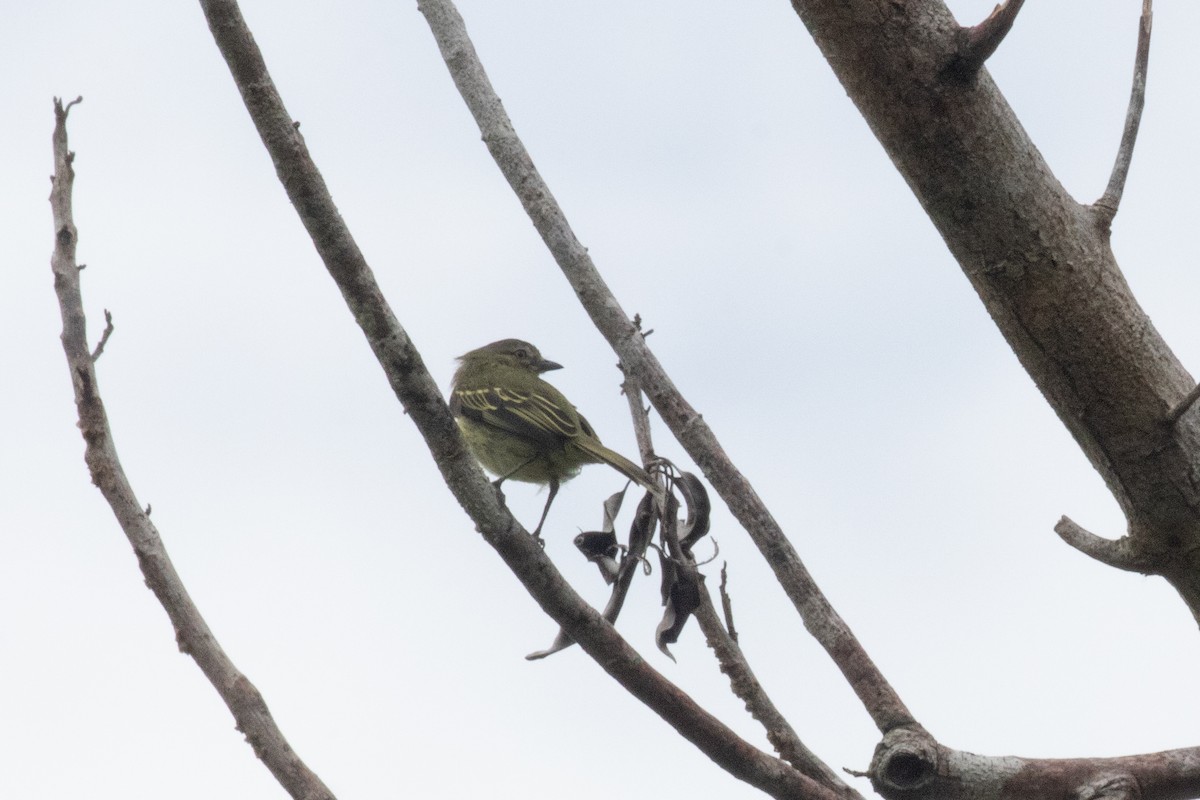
{"points": [[546, 366]]}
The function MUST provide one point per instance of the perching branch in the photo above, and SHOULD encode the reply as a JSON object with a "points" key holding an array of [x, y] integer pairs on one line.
{"points": [[876, 694], [191, 631], [424, 404], [1106, 207], [977, 43]]}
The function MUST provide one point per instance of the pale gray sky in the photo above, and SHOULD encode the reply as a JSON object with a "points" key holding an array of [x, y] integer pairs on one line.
{"points": [[732, 196]]}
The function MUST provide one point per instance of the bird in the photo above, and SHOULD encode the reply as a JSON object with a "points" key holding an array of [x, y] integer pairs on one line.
{"points": [[519, 426]]}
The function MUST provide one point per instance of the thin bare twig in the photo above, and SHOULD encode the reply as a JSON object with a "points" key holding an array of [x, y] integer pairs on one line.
{"points": [[881, 701], [424, 404], [192, 632], [641, 419], [1106, 207], [108, 329], [727, 603], [1187, 402], [977, 43]]}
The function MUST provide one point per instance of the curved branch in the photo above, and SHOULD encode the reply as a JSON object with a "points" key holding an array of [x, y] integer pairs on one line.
{"points": [[423, 402], [876, 694], [1119, 553], [1106, 207], [191, 631]]}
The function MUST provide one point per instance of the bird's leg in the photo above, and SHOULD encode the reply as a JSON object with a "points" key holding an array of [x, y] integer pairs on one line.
{"points": [[537, 532], [499, 492], [496, 483]]}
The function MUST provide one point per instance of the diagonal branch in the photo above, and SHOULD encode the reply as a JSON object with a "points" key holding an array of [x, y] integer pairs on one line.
{"points": [[977, 43], [424, 404], [191, 631], [822, 621], [1106, 207]]}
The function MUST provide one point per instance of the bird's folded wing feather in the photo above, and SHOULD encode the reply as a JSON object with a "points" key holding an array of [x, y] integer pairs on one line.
{"points": [[529, 415]]}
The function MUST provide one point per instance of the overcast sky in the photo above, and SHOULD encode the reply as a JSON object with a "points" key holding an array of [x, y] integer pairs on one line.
{"points": [[732, 195]]}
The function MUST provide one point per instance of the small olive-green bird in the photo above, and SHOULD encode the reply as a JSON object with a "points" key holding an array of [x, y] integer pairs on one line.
{"points": [[521, 427]]}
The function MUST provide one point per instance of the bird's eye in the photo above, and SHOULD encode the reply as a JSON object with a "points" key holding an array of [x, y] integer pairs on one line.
{"points": [[521, 353]]}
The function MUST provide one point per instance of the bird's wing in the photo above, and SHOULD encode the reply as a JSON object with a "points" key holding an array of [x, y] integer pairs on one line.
{"points": [[533, 415]]}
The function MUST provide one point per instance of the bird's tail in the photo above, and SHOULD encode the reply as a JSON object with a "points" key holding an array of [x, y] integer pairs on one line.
{"points": [[618, 462]]}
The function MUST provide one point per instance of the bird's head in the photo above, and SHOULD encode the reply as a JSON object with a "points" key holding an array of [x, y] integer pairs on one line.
{"points": [[515, 351]]}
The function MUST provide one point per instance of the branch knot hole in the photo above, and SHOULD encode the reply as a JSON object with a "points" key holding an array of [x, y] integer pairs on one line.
{"points": [[907, 771], [904, 761]]}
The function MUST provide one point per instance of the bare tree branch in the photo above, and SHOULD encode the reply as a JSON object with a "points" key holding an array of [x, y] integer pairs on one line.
{"points": [[192, 632], [977, 43], [641, 418], [1106, 207], [873, 690], [423, 402]]}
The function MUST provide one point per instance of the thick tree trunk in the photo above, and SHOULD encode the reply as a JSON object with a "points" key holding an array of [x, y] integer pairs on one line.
{"points": [[1039, 260]]}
